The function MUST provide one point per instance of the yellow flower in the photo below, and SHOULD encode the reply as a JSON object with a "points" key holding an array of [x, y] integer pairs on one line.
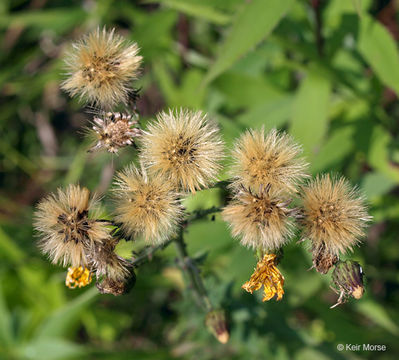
{"points": [[267, 275], [78, 277]]}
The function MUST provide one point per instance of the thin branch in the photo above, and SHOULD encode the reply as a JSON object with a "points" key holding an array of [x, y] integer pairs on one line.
{"points": [[148, 253], [191, 269], [317, 5]]}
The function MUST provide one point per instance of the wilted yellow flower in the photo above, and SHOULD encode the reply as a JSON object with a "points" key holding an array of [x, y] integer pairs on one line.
{"points": [[262, 220], [101, 67], [185, 148], [78, 277], [68, 227], [262, 159], [146, 205], [113, 131], [335, 218], [267, 275]]}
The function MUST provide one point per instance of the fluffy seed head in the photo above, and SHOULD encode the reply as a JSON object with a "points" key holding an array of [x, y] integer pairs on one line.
{"points": [[260, 219], [113, 131], [66, 222], [100, 68], [146, 206], [335, 216], [185, 148], [263, 159]]}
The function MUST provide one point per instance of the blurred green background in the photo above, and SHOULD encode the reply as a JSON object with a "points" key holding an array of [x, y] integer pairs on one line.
{"points": [[326, 71]]}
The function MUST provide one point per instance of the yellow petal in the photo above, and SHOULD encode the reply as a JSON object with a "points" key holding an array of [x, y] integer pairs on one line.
{"points": [[267, 275], [78, 277]]}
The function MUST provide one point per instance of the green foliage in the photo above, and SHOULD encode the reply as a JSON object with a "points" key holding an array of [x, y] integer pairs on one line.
{"points": [[249, 64]]}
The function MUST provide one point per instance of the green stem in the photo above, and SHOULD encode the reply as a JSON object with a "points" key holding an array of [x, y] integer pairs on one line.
{"points": [[147, 253], [200, 214], [193, 273]]}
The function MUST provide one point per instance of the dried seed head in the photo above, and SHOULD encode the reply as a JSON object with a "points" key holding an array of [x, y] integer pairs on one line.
{"points": [[67, 224], [116, 287], [261, 219], [114, 131], [267, 275], [347, 277], [335, 216], [146, 206], [107, 263], [101, 67], [323, 260], [268, 159], [185, 148]]}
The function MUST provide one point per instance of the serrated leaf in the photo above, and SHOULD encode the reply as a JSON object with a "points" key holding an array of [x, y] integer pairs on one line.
{"points": [[252, 25]]}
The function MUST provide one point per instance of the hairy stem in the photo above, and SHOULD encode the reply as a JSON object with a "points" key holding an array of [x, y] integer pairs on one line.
{"points": [[193, 273]]}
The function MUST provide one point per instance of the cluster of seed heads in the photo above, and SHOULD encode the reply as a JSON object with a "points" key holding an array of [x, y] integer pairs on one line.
{"points": [[181, 152]]}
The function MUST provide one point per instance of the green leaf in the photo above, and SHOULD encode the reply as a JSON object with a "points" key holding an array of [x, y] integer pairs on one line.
{"points": [[309, 120], [252, 25], [376, 184], [6, 337], [379, 154], [55, 19], [9, 248], [379, 49], [195, 8], [334, 150], [58, 323], [52, 349], [378, 315]]}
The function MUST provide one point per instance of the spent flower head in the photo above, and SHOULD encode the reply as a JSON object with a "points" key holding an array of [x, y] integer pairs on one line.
{"points": [[335, 218], [185, 148], [107, 263], [261, 159], [78, 277], [267, 275], [261, 219], [101, 67], [113, 131], [146, 205], [68, 226]]}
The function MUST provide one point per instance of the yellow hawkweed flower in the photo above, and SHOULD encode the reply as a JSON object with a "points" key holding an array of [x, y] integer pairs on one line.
{"points": [[78, 277], [267, 275]]}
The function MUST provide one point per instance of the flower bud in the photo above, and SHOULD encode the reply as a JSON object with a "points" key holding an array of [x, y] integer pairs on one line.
{"points": [[216, 323], [347, 277]]}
